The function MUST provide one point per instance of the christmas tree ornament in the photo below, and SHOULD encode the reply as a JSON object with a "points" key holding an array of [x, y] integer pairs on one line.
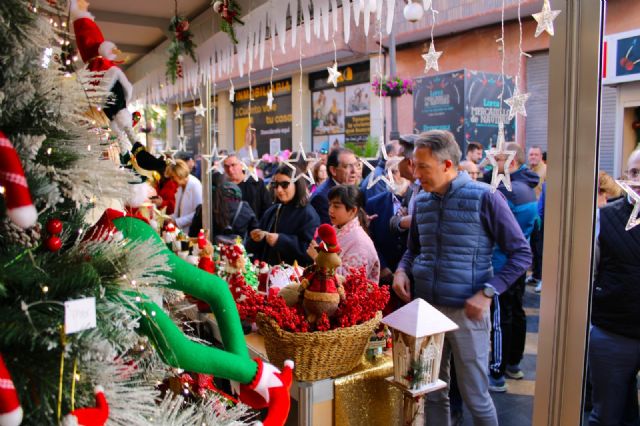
{"points": [[136, 117], [53, 243], [54, 226], [499, 152], [94, 416], [13, 184], [431, 58], [516, 102], [10, 409], [229, 11], [181, 44], [14, 234], [334, 74], [100, 56], [545, 19], [631, 188]]}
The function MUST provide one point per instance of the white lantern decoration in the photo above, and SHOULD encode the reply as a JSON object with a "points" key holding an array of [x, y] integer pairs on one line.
{"points": [[413, 12], [418, 336]]}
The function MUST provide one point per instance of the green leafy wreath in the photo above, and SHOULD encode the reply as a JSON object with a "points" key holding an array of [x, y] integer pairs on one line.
{"points": [[181, 43]]}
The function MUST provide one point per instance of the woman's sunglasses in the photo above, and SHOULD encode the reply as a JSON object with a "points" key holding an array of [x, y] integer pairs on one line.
{"points": [[284, 184]]}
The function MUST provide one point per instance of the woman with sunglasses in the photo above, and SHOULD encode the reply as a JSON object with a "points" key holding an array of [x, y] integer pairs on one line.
{"points": [[287, 227]]}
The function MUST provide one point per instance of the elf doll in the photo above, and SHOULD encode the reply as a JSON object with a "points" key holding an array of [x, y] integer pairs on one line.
{"points": [[100, 57]]}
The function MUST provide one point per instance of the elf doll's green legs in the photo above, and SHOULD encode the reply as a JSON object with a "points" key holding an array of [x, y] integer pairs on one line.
{"points": [[262, 385]]}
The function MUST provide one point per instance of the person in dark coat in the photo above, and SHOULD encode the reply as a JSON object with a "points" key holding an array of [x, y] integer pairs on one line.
{"points": [[254, 191], [231, 217], [286, 228], [614, 340]]}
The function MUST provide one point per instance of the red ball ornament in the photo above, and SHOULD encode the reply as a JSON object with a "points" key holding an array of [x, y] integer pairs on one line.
{"points": [[54, 226], [54, 243]]}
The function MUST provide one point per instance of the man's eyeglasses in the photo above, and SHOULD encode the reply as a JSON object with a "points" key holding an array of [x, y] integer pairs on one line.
{"points": [[351, 166], [284, 184], [633, 173]]}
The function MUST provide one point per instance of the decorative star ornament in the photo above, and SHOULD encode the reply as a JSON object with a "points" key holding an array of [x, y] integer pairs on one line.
{"points": [[545, 19], [334, 74], [200, 110], [634, 198], [431, 58], [232, 94], [177, 114], [516, 102], [270, 99], [182, 142], [169, 151], [250, 167], [292, 162], [387, 176], [213, 158], [499, 150]]}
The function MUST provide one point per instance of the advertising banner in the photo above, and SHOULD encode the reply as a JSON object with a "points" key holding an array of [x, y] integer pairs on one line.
{"points": [[271, 127], [466, 103]]}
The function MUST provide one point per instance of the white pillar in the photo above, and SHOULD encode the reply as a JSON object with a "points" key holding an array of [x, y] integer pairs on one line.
{"points": [[225, 122], [300, 113]]}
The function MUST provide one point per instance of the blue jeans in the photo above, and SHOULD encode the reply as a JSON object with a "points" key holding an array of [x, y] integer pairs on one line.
{"points": [[614, 362]]}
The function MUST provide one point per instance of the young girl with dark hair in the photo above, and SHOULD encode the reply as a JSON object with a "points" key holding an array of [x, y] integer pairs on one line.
{"points": [[348, 217]]}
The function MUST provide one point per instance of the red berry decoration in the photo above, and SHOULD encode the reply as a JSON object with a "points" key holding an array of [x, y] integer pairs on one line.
{"points": [[54, 226], [54, 243]]}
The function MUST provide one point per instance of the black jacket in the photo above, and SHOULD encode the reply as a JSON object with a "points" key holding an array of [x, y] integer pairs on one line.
{"points": [[616, 290], [295, 227], [257, 195]]}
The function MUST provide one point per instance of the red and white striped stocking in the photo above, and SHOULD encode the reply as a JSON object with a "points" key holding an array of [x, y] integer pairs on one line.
{"points": [[10, 409]]}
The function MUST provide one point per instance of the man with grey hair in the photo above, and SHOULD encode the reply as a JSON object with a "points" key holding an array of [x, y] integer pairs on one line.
{"points": [[455, 225]]}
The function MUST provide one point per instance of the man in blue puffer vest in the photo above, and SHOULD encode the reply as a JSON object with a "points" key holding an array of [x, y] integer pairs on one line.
{"points": [[508, 318], [455, 225]]}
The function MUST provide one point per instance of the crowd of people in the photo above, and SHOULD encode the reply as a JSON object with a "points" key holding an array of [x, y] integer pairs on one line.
{"points": [[424, 221]]}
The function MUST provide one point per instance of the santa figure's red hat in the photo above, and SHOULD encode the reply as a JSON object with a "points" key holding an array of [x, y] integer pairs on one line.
{"points": [[94, 416], [20, 208], [10, 409], [329, 243]]}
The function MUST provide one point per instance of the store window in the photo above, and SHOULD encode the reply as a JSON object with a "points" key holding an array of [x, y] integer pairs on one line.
{"points": [[341, 115]]}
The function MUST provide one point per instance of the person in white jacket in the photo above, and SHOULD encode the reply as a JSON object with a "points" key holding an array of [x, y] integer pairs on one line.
{"points": [[188, 196]]}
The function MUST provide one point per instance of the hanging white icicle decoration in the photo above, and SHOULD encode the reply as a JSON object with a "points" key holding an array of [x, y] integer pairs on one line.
{"points": [[391, 7], [306, 15], [293, 9], [358, 5], [346, 20]]}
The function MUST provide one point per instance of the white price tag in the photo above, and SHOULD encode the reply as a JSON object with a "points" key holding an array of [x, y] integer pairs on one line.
{"points": [[79, 315]]}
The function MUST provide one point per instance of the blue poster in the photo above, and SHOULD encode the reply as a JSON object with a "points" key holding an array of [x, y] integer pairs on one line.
{"points": [[628, 56], [466, 103]]}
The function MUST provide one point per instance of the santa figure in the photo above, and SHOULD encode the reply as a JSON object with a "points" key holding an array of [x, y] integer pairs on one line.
{"points": [[100, 57]]}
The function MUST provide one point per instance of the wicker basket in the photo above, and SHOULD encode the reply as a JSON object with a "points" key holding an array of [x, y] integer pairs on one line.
{"points": [[318, 355]]}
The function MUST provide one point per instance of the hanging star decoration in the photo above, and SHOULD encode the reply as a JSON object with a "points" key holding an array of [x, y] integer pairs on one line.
{"points": [[169, 152], [294, 162], [213, 159], [630, 187], [270, 99], [500, 151], [516, 102], [177, 114], [334, 74], [182, 142], [545, 19], [200, 110], [232, 94], [385, 176], [431, 58], [250, 166]]}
